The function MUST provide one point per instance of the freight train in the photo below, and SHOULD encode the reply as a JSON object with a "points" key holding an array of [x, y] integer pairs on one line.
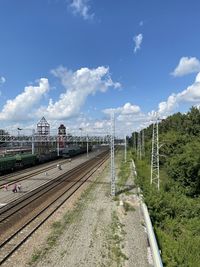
{"points": [[11, 163], [75, 150], [19, 161]]}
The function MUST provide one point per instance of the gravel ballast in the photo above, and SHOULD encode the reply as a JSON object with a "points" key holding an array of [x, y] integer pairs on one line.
{"points": [[90, 230]]}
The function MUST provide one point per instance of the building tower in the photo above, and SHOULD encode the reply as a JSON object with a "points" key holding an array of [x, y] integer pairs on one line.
{"points": [[43, 130], [43, 127], [61, 136], [62, 130]]}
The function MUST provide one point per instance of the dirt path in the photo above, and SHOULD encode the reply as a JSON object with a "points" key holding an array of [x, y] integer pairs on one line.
{"points": [[135, 242]]}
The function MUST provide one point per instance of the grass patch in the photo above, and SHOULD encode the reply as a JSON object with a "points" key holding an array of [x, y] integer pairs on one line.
{"points": [[124, 174], [35, 257], [128, 193], [128, 207], [116, 198], [115, 246]]}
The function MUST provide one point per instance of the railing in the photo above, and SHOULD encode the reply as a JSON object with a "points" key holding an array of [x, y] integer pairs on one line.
{"points": [[150, 232]]}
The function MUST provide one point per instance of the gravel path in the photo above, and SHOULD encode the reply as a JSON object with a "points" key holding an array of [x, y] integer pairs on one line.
{"points": [[84, 242], [135, 241]]}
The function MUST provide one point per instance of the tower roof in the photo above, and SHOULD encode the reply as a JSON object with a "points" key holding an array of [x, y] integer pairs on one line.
{"points": [[43, 121]]}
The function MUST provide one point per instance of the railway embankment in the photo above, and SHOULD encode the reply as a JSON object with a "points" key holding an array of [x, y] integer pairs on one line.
{"points": [[175, 218], [92, 229]]}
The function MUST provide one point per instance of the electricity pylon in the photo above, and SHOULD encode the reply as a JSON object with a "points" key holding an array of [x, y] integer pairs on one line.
{"points": [[143, 144], [112, 153], [134, 142], [155, 172], [139, 150]]}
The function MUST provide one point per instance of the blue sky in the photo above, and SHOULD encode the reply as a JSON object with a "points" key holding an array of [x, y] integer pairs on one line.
{"points": [[74, 61]]}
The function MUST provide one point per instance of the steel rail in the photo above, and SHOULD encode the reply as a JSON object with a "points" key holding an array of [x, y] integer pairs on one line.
{"points": [[33, 172], [16, 205], [57, 202]]}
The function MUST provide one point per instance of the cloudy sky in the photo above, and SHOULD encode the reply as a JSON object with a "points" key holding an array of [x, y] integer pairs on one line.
{"points": [[75, 61]]}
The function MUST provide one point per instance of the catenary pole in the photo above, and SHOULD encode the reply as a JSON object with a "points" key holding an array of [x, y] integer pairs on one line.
{"points": [[125, 149], [33, 142], [112, 154]]}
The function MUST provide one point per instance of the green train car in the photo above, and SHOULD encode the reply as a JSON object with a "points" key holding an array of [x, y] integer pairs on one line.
{"points": [[7, 164], [73, 151], [20, 161], [11, 163], [25, 160]]}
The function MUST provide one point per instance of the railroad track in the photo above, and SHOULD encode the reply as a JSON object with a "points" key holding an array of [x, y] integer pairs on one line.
{"points": [[11, 179], [23, 217]]}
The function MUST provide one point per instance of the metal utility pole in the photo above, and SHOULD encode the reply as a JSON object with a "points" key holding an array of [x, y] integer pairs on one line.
{"points": [[58, 145], [33, 142], [87, 146], [155, 172], [134, 142], [112, 153], [81, 139], [143, 144], [139, 151], [125, 149]]}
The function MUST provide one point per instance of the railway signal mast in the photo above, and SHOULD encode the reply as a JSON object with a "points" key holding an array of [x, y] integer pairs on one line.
{"points": [[112, 154], [155, 172]]}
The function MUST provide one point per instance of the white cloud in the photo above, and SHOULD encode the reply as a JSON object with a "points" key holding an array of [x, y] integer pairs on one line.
{"points": [[127, 117], [2, 80], [21, 106], [95, 126], [190, 95], [141, 23], [130, 109], [166, 107], [187, 65], [138, 41], [79, 85], [130, 118], [82, 8], [127, 109]]}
